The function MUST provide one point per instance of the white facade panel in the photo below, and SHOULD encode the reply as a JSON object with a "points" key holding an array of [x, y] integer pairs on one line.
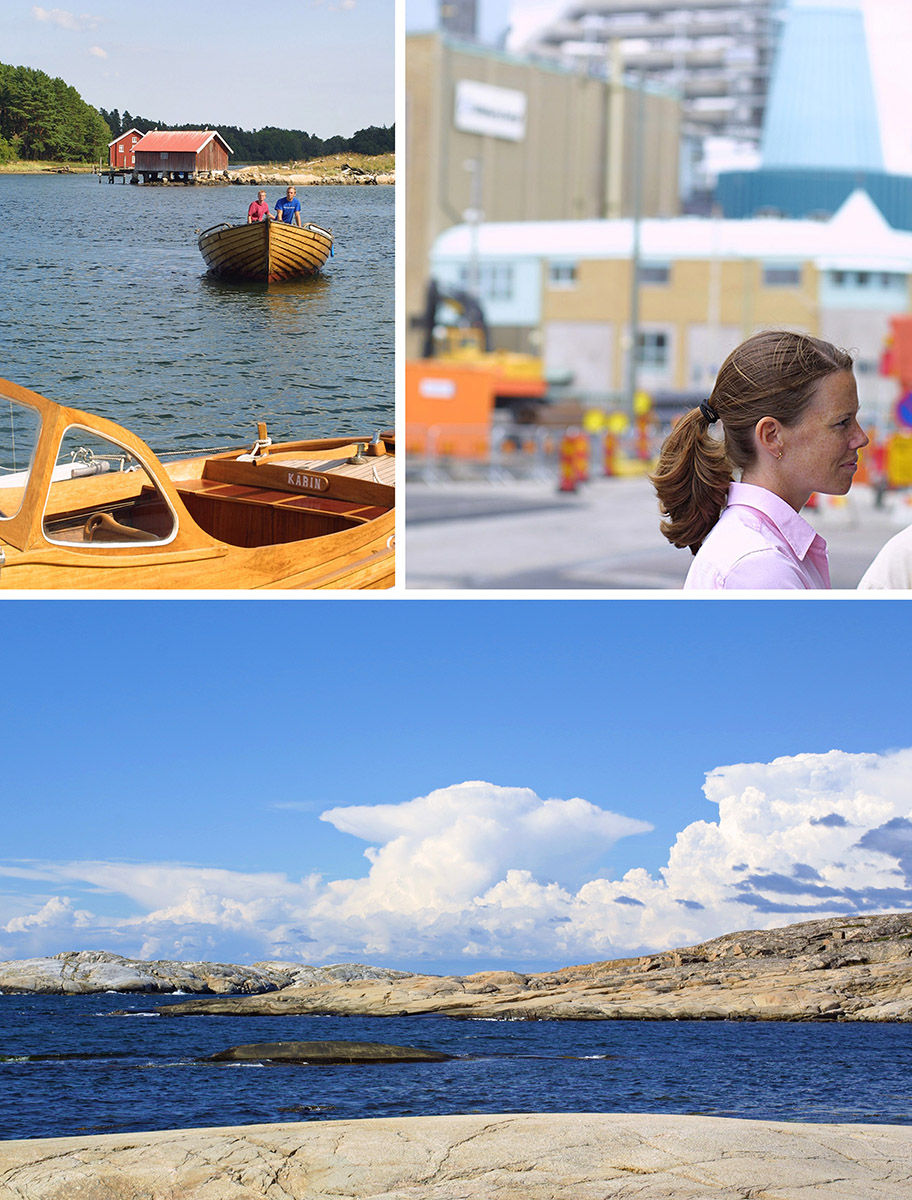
{"points": [[585, 349]]}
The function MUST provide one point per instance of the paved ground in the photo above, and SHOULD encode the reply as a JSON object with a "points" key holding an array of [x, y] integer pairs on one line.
{"points": [[524, 534]]}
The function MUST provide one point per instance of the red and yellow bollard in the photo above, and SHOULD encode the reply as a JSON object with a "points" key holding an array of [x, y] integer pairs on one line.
{"points": [[567, 463], [582, 457]]}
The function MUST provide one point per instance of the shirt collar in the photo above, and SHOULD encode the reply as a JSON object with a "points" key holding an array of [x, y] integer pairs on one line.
{"points": [[793, 527]]}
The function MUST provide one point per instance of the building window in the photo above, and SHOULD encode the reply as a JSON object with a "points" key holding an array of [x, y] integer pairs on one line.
{"points": [[652, 349], [656, 273], [493, 281], [562, 274], [781, 276], [881, 281]]}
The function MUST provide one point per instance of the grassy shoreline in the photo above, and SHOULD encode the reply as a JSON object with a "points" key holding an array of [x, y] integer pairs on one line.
{"points": [[381, 164]]}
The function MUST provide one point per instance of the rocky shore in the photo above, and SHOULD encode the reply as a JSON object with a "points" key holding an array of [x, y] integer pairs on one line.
{"points": [[844, 968], [86, 972], [361, 170], [303, 176], [524, 1156]]}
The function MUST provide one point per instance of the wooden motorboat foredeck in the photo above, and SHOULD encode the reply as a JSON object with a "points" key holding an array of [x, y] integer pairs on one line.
{"points": [[96, 508]]}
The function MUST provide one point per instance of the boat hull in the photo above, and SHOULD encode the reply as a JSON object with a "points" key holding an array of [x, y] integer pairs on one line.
{"points": [[265, 251]]}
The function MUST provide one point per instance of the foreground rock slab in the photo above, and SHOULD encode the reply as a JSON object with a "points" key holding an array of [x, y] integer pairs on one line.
{"points": [[570, 1156]]}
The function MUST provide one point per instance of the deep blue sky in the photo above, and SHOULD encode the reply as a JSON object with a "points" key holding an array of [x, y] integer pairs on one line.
{"points": [[150, 728], [166, 764]]}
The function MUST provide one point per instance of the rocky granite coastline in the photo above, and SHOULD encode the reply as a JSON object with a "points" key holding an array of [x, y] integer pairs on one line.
{"points": [[87, 972], [518, 1156], [843, 968]]}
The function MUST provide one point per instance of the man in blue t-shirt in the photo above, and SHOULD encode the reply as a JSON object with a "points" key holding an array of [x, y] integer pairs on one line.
{"points": [[288, 209]]}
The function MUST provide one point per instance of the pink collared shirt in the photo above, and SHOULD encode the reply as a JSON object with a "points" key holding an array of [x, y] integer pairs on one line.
{"points": [[759, 542]]}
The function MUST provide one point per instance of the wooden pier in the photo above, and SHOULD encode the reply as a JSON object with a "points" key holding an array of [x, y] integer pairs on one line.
{"points": [[121, 173]]}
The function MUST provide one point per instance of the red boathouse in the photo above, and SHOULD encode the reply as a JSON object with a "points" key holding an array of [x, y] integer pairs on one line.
{"points": [[121, 151], [179, 156]]}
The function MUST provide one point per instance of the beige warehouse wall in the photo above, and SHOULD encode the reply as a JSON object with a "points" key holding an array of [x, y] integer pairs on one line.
{"points": [[574, 162]]}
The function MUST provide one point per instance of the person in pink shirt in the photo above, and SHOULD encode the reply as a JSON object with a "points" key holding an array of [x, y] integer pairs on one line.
{"points": [[783, 418], [258, 210]]}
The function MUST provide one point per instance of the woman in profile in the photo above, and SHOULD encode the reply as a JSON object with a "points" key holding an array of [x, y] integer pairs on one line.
{"points": [[783, 418]]}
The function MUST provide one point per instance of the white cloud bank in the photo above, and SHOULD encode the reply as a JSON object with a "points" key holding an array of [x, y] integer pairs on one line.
{"points": [[476, 874]]}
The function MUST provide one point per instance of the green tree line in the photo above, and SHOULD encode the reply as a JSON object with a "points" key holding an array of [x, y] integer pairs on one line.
{"points": [[268, 144], [43, 119]]}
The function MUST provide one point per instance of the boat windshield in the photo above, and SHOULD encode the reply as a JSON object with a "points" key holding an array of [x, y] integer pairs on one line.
{"points": [[20, 425], [100, 493]]}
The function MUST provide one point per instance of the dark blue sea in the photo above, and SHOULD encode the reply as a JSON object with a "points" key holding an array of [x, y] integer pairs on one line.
{"points": [[69, 1066], [106, 305]]}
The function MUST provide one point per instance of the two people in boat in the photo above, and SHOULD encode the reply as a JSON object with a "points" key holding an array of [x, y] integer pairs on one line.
{"points": [[780, 424], [288, 208]]}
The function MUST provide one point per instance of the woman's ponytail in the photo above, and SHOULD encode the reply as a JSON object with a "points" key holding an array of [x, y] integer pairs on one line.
{"points": [[691, 479]]}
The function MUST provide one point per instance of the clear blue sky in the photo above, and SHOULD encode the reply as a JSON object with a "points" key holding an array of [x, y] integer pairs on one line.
{"points": [[324, 66], [166, 764]]}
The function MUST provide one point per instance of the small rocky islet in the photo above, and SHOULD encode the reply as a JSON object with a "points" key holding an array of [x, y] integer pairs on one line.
{"points": [[856, 968]]}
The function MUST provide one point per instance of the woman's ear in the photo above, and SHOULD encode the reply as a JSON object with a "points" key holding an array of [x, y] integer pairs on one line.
{"points": [[768, 436]]}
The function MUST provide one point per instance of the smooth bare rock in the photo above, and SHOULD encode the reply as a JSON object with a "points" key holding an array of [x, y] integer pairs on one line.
{"points": [[327, 1052], [846, 968], [88, 971], [566, 1156]]}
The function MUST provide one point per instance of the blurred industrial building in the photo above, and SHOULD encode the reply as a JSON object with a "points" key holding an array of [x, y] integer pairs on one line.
{"points": [[715, 55], [595, 223]]}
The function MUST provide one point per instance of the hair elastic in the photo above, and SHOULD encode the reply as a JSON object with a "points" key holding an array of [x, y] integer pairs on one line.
{"points": [[708, 412]]}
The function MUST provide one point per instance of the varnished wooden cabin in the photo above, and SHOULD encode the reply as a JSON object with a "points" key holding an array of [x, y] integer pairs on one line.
{"points": [[179, 156]]}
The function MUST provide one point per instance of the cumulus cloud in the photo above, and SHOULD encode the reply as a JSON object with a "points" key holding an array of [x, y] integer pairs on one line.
{"points": [[57, 914], [477, 873], [98, 52], [64, 19]]}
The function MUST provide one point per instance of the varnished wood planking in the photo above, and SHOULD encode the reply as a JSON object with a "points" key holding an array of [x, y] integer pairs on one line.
{"points": [[267, 251], [358, 556]]}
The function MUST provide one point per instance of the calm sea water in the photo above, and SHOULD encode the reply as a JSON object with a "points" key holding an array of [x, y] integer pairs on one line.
{"points": [[107, 1073], [106, 305]]}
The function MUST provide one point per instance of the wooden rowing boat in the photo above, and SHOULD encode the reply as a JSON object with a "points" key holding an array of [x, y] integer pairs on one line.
{"points": [[84, 503], [265, 251]]}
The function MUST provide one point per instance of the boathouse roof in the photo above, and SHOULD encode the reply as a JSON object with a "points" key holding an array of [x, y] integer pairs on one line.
{"points": [[186, 141], [121, 136]]}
